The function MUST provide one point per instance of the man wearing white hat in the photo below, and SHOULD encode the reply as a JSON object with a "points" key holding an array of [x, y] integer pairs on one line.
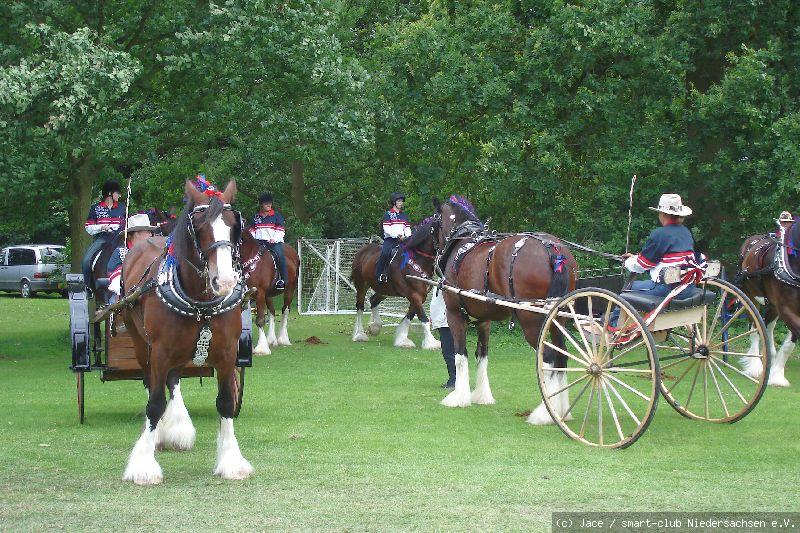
{"points": [[139, 229], [670, 245]]}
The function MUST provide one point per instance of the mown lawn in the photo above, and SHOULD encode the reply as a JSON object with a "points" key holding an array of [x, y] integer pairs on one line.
{"points": [[352, 437]]}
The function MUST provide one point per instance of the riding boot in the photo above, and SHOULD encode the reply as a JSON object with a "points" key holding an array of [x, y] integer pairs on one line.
{"points": [[386, 254], [95, 248]]}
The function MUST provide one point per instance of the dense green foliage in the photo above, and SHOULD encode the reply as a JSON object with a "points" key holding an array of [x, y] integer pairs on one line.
{"points": [[540, 111]]}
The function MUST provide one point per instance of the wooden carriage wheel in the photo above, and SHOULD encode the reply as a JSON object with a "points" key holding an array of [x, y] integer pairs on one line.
{"points": [[607, 392], [80, 386], [704, 365], [238, 375]]}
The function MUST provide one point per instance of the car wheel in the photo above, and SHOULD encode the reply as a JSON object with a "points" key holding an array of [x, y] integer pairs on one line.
{"points": [[25, 289]]}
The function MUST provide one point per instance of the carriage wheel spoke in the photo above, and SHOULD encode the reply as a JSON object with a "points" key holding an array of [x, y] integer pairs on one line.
{"points": [[719, 392], [588, 409], [718, 313], [735, 337], [589, 350], [737, 354], [564, 352], [680, 378], [624, 403], [730, 383], [705, 322], [578, 397], [673, 348], [675, 363], [717, 359], [628, 370], [569, 337], [705, 387], [728, 324], [622, 383], [613, 411], [691, 391], [604, 346], [623, 352], [600, 410], [559, 391]]}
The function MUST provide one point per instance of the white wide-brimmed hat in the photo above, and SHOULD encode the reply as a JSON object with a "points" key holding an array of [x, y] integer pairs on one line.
{"points": [[785, 216], [672, 204], [140, 222]]}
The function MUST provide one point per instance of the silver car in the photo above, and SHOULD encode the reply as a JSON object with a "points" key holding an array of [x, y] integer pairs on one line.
{"points": [[33, 268]]}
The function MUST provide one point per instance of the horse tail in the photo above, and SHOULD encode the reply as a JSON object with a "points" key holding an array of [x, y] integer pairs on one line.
{"points": [[559, 282], [358, 264]]}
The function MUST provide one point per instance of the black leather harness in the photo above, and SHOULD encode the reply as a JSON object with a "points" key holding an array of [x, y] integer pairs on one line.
{"points": [[171, 294]]}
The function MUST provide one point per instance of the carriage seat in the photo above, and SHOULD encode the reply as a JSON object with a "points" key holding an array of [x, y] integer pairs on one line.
{"points": [[643, 302]]}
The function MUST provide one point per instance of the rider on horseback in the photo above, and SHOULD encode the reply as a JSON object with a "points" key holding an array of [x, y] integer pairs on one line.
{"points": [[268, 228], [104, 220], [139, 229], [396, 228]]}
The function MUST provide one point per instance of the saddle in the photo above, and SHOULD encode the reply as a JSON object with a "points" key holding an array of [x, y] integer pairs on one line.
{"points": [[249, 266]]}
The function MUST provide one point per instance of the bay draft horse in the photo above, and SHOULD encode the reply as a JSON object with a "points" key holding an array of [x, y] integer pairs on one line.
{"points": [[416, 258], [522, 266], [201, 258], [780, 300], [258, 267]]}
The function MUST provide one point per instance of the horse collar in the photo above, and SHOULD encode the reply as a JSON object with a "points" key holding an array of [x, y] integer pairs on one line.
{"points": [[171, 294]]}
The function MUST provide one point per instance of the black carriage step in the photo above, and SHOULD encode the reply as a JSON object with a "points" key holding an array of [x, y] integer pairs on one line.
{"points": [[644, 302]]}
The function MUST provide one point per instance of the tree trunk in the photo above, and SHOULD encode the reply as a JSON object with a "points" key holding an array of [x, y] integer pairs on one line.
{"points": [[80, 188], [299, 192]]}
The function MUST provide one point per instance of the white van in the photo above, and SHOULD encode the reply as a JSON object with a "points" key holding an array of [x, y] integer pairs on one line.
{"points": [[32, 268]]}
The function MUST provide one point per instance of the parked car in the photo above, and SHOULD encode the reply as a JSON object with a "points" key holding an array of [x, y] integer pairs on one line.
{"points": [[33, 268]]}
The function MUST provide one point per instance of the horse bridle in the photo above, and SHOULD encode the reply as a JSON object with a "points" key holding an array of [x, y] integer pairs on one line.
{"points": [[234, 245]]}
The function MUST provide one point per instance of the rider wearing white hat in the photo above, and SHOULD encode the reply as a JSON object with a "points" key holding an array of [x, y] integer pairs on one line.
{"points": [[786, 220], [139, 229], [669, 245]]}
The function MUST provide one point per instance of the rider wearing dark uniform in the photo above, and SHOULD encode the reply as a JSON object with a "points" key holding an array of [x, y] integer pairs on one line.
{"points": [[269, 228], [105, 218], [396, 228]]}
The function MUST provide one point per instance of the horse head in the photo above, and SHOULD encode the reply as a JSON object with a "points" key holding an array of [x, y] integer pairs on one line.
{"points": [[215, 229], [423, 238], [451, 215]]}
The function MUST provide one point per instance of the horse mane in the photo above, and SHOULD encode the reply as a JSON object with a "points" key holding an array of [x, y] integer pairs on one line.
{"points": [[419, 233], [465, 206]]}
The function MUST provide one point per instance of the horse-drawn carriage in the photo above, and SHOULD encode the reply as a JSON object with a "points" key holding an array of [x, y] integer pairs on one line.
{"points": [[106, 346], [693, 345], [623, 365]]}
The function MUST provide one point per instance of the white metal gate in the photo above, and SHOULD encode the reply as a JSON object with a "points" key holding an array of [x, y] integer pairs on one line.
{"points": [[324, 286]]}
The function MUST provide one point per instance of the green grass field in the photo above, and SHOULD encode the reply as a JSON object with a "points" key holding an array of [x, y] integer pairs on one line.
{"points": [[352, 437]]}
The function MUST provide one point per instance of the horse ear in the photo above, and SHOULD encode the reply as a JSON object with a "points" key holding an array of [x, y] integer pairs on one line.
{"points": [[229, 194], [191, 192], [437, 204]]}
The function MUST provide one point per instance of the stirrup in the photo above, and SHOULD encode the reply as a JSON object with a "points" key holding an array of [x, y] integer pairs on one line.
{"points": [[383, 278], [280, 284]]}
